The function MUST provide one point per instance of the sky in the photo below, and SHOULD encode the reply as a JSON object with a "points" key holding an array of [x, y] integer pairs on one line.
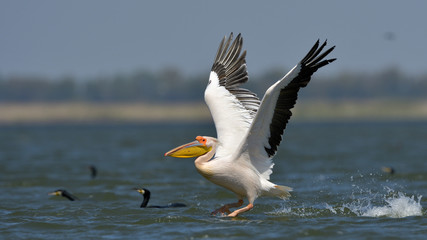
{"points": [[87, 38]]}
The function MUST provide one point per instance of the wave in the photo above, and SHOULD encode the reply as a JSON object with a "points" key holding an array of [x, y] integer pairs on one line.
{"points": [[393, 205], [396, 206]]}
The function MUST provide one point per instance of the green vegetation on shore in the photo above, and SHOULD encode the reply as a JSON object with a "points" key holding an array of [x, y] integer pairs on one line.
{"points": [[82, 112], [169, 96]]}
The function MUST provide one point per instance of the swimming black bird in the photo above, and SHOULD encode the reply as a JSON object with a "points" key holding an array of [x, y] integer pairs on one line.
{"points": [[388, 170], [93, 171], [146, 193], [64, 193]]}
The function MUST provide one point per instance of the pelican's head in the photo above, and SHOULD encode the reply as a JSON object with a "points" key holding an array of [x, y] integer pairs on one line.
{"points": [[201, 146]]}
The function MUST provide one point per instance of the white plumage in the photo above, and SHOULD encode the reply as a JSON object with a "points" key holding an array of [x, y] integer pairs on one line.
{"points": [[248, 130]]}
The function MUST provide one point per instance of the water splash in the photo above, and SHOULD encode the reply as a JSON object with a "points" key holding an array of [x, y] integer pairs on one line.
{"points": [[396, 206], [392, 204]]}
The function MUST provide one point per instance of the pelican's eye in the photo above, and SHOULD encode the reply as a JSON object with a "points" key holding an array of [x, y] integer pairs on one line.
{"points": [[201, 140]]}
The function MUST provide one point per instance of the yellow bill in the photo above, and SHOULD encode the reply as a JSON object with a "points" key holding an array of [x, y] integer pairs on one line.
{"points": [[193, 149], [56, 193]]}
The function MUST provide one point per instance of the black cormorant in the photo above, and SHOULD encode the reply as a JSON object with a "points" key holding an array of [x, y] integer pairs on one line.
{"points": [[93, 171], [146, 193], [64, 193], [388, 170]]}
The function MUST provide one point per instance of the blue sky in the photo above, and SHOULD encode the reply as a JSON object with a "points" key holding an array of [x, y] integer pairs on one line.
{"points": [[90, 38]]}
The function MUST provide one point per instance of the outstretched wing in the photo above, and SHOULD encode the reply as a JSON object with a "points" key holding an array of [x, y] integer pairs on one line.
{"points": [[232, 108], [267, 128]]}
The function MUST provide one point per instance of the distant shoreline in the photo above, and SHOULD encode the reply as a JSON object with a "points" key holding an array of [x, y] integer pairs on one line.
{"points": [[88, 112]]}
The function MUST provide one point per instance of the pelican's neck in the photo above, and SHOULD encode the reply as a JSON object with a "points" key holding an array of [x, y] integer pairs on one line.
{"points": [[200, 162], [206, 157]]}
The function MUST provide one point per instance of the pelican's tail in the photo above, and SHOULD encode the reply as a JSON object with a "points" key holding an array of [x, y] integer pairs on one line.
{"points": [[273, 190], [281, 191]]}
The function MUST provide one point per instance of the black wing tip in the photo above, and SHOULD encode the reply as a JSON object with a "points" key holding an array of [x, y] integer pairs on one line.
{"points": [[314, 57], [332, 48], [331, 60], [317, 43], [232, 35], [229, 56]]}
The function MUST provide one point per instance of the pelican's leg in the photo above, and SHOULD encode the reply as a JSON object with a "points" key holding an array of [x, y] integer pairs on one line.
{"points": [[241, 210], [225, 208]]}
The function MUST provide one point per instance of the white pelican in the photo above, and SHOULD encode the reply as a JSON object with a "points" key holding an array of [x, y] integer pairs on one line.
{"points": [[249, 130]]}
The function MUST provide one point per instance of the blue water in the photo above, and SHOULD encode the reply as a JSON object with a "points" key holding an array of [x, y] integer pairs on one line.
{"points": [[339, 192]]}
